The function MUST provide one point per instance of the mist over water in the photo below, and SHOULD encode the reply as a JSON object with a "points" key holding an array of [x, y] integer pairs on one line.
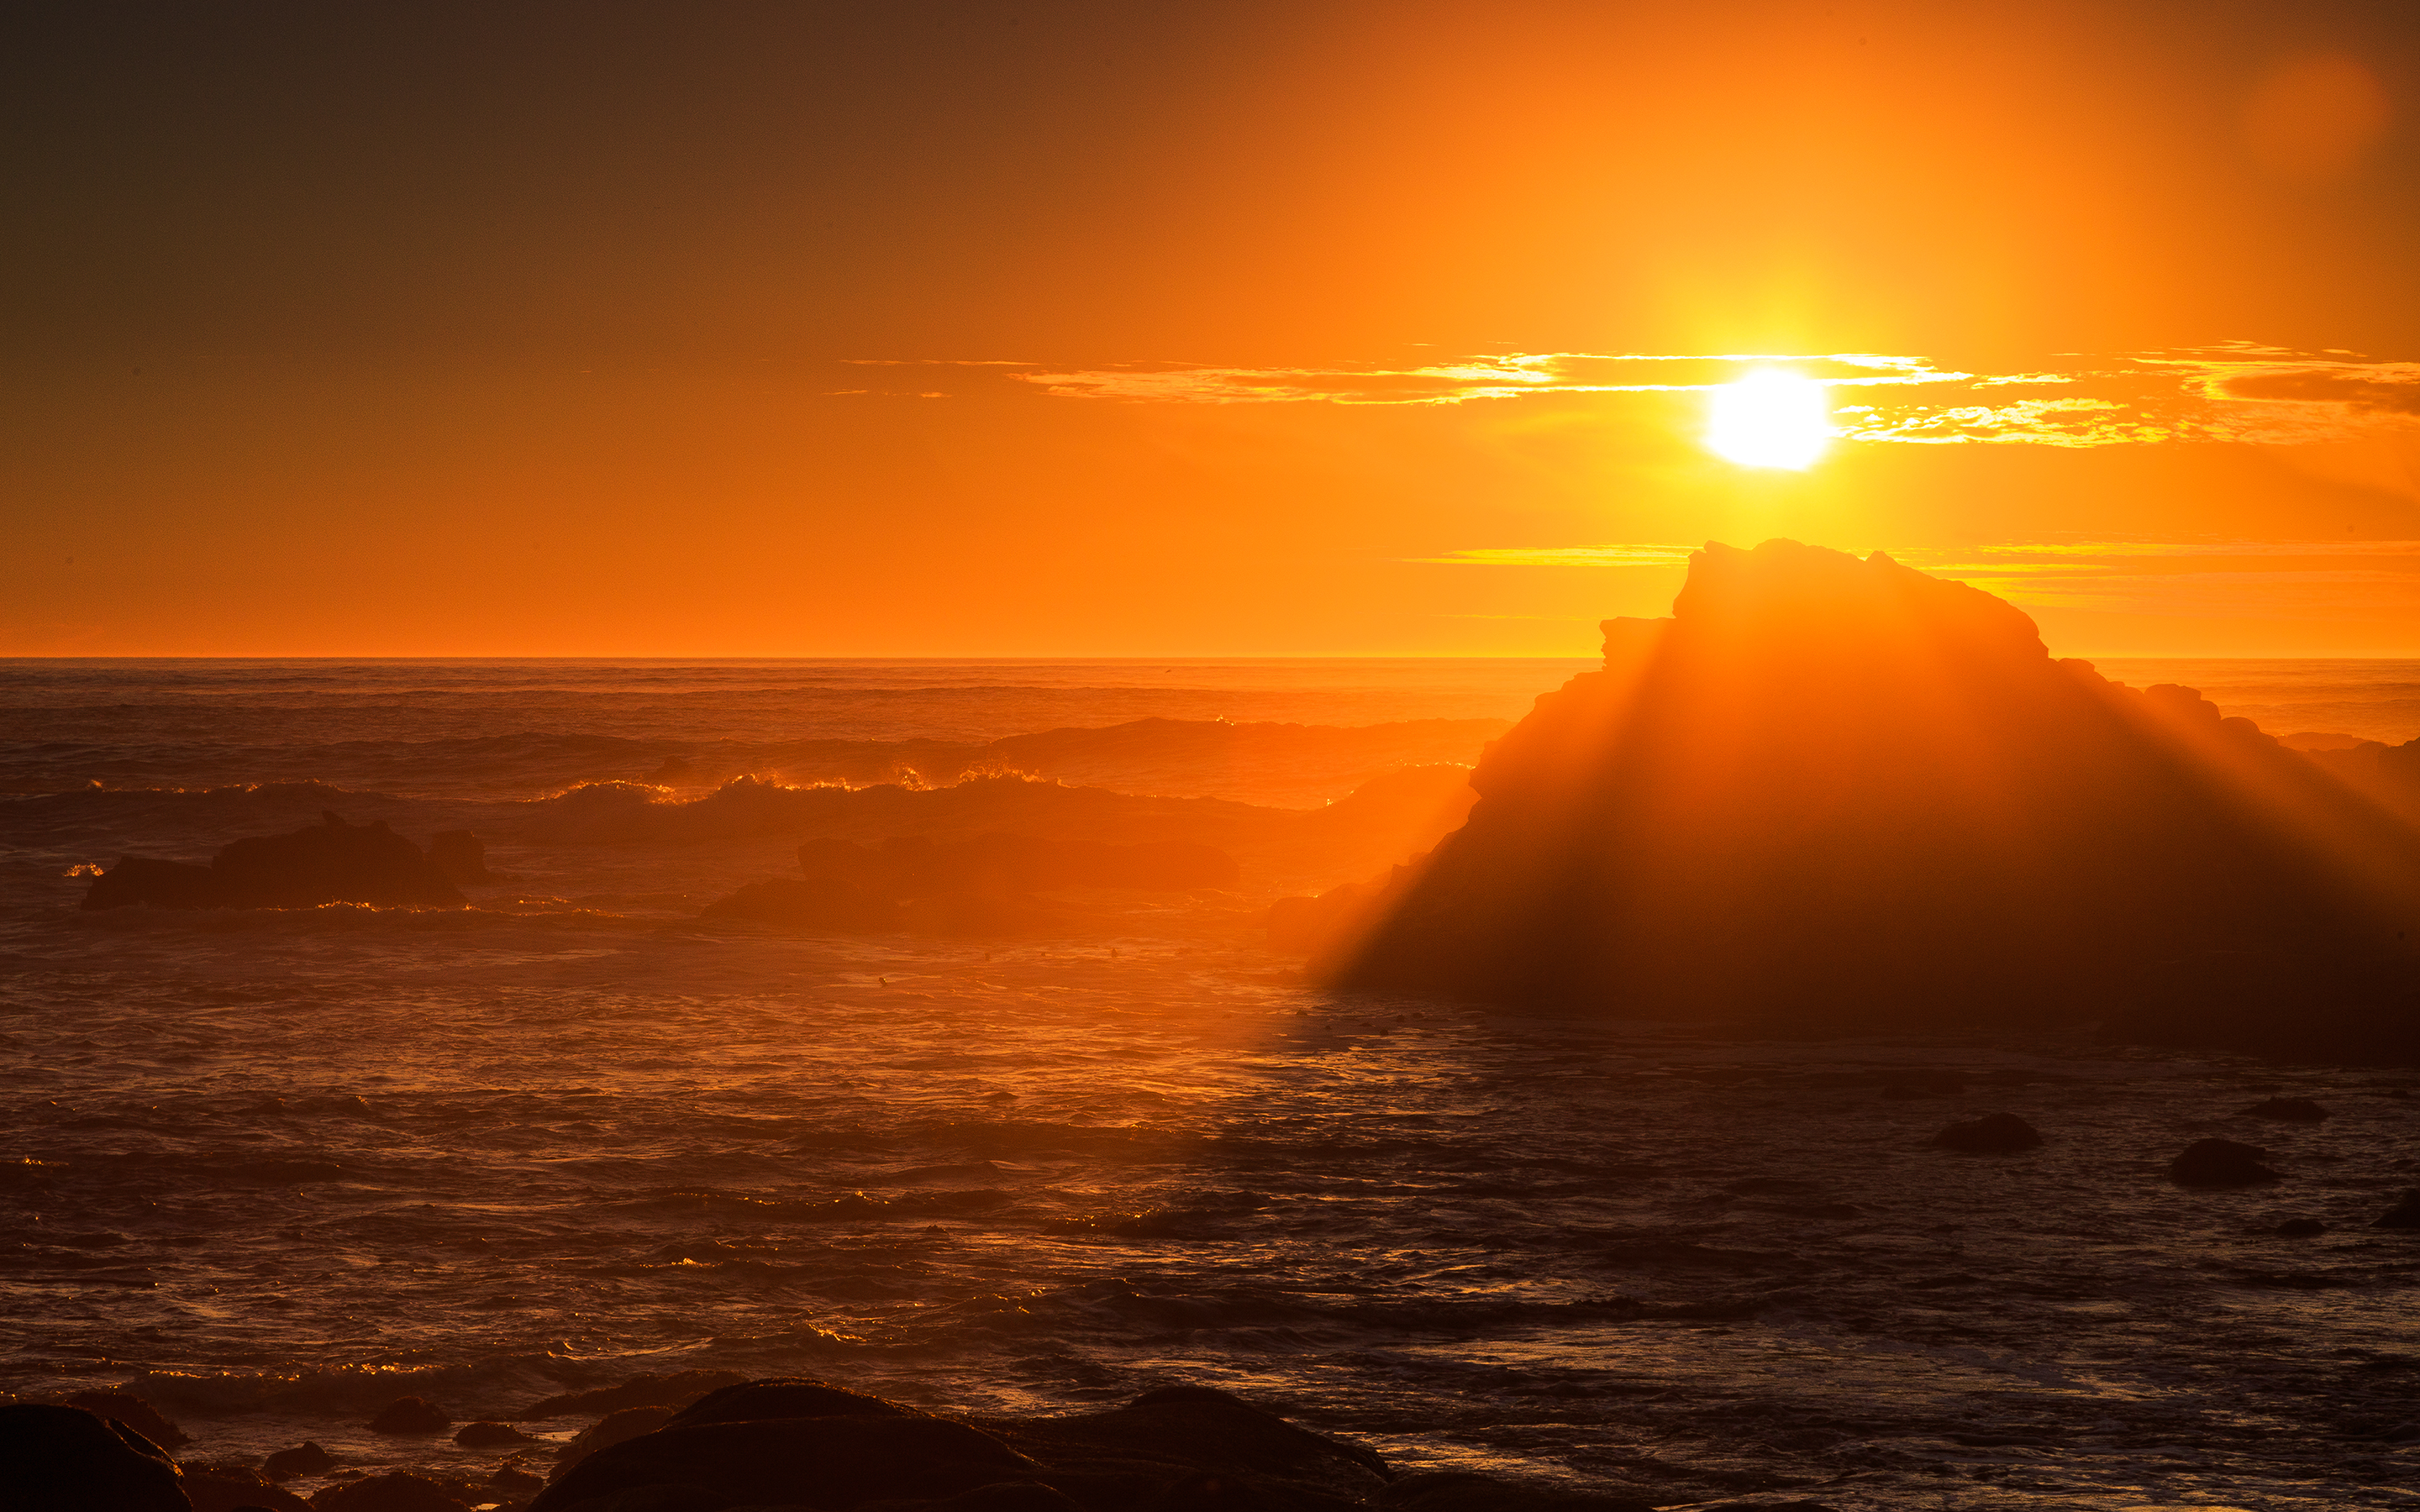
{"points": [[291, 1165]]}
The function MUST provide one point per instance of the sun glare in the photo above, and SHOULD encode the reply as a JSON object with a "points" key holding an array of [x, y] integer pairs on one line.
{"points": [[1769, 418]]}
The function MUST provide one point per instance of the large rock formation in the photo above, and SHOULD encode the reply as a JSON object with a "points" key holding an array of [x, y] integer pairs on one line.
{"points": [[1833, 793], [328, 862]]}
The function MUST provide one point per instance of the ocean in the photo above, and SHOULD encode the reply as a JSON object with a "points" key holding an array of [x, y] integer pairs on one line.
{"points": [[274, 1170]]}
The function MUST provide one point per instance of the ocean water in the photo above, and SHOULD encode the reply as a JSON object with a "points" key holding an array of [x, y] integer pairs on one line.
{"points": [[273, 1169]]}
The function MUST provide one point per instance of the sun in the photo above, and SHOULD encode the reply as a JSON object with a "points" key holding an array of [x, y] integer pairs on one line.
{"points": [[1769, 418]]}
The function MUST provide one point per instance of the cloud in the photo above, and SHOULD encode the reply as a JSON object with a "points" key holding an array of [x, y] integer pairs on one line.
{"points": [[2236, 391]]}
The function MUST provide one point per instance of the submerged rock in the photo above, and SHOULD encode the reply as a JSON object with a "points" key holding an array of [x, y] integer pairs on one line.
{"points": [[2300, 1229], [789, 1442], [490, 1435], [411, 1414], [328, 862], [1835, 794], [66, 1460], [2404, 1214], [2288, 1110], [2220, 1163], [306, 1458], [1993, 1133]]}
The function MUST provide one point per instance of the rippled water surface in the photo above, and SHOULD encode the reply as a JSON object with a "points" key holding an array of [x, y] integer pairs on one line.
{"points": [[276, 1168]]}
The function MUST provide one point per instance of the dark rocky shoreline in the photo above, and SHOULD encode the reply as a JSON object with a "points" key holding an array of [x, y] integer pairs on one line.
{"points": [[778, 1444]]}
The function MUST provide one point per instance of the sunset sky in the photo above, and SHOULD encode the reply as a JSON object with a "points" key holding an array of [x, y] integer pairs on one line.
{"points": [[1236, 329]]}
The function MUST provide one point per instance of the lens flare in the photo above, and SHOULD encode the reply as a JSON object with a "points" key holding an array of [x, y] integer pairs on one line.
{"points": [[1769, 418]]}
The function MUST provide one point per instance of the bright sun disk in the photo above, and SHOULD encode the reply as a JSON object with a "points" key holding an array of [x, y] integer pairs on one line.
{"points": [[1769, 418]]}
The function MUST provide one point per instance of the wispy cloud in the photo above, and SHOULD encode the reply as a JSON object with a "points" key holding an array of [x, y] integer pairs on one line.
{"points": [[2236, 391]]}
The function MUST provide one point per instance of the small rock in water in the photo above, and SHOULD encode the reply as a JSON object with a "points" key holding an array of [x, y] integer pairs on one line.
{"points": [[1993, 1133], [411, 1414], [307, 1458], [1913, 1083], [133, 1411], [2299, 1228], [2404, 1214], [487, 1435], [511, 1480], [2220, 1163], [2288, 1110]]}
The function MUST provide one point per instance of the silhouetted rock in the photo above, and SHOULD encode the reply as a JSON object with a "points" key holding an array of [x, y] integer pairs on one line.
{"points": [[780, 1440], [411, 1414], [2404, 1214], [459, 855], [133, 1412], [2300, 1229], [66, 1460], [400, 1491], [2220, 1163], [325, 863], [2288, 1110], [306, 1458], [487, 1435], [676, 1390], [1331, 923], [1836, 795], [229, 1487], [1993, 1133]]}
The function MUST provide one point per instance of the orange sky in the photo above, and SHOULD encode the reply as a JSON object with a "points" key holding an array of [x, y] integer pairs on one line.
{"points": [[1070, 329]]}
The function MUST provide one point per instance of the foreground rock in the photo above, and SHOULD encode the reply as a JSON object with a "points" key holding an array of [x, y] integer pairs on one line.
{"points": [[1839, 794], [328, 862], [67, 1460], [806, 1443], [2220, 1163]]}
